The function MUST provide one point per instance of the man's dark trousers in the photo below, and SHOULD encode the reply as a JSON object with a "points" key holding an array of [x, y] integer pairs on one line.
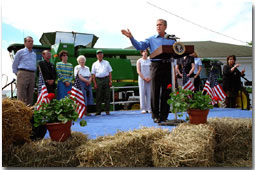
{"points": [[102, 94], [161, 77]]}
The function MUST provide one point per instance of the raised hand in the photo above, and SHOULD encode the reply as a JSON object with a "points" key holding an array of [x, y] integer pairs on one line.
{"points": [[127, 33]]}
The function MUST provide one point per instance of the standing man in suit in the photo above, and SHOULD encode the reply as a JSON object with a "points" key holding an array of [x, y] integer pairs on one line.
{"points": [[160, 70], [48, 71]]}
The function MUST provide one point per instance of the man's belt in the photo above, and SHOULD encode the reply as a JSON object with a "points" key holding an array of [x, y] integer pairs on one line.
{"points": [[26, 70], [161, 60], [102, 77]]}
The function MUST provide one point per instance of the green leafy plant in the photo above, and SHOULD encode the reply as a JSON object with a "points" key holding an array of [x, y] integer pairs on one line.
{"points": [[182, 100], [56, 111]]}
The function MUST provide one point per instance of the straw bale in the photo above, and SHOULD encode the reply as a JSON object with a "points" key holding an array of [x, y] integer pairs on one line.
{"points": [[233, 140], [235, 163], [16, 124], [124, 149], [187, 146], [46, 153]]}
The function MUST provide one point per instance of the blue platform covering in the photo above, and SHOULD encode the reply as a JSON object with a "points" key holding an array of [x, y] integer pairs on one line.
{"points": [[130, 120]]}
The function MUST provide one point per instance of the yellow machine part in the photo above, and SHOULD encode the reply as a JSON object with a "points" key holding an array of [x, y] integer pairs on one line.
{"points": [[244, 99], [135, 107]]}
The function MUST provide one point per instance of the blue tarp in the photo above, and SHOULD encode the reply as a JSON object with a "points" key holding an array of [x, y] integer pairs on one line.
{"points": [[130, 120]]}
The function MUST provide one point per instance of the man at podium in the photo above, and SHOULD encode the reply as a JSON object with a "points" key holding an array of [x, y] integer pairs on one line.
{"points": [[160, 70]]}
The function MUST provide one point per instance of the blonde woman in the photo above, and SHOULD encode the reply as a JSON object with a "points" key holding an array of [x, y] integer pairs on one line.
{"points": [[85, 79]]}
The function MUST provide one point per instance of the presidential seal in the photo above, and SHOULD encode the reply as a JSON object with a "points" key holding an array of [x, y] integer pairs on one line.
{"points": [[179, 48]]}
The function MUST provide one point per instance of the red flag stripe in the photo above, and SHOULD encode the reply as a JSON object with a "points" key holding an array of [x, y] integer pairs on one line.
{"points": [[189, 85], [77, 94], [219, 92], [43, 94], [78, 98], [81, 111], [43, 97]]}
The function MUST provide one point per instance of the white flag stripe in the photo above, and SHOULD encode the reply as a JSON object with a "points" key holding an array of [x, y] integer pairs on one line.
{"points": [[219, 89], [217, 93], [189, 85], [43, 97], [78, 98], [77, 94]]}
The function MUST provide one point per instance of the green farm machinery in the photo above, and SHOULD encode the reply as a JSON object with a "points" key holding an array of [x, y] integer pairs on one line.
{"points": [[124, 75]]}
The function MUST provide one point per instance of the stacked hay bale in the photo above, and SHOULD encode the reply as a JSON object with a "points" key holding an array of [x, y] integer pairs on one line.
{"points": [[234, 141], [46, 153], [187, 146], [16, 124], [124, 149]]}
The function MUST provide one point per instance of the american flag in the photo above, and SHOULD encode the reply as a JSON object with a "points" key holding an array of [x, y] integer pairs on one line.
{"points": [[187, 84], [214, 89], [79, 98], [42, 92]]}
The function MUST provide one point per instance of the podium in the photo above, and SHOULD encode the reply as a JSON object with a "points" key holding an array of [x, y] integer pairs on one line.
{"points": [[167, 51]]}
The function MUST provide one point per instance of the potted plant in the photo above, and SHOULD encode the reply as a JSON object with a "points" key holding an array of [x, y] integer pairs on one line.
{"points": [[196, 104], [57, 116]]}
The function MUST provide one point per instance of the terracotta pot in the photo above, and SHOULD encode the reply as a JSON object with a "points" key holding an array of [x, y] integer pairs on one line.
{"points": [[197, 116], [59, 131]]}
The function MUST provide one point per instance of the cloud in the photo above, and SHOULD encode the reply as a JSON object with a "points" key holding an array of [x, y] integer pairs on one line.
{"points": [[7, 75]]}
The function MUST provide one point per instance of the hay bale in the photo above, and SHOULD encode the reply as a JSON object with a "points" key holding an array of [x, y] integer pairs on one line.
{"points": [[124, 149], [16, 124], [187, 146], [235, 163], [46, 153], [233, 140]]}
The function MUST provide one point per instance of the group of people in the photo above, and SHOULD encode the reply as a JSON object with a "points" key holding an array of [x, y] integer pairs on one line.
{"points": [[154, 75], [25, 67]]}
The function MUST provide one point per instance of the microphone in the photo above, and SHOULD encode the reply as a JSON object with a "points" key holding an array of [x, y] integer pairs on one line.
{"points": [[170, 37]]}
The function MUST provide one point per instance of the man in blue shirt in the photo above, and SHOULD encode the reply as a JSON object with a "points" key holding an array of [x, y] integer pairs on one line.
{"points": [[24, 66], [160, 70]]}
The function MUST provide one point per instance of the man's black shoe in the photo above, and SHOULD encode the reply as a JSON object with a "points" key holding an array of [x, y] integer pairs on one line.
{"points": [[97, 114], [164, 120], [156, 120]]}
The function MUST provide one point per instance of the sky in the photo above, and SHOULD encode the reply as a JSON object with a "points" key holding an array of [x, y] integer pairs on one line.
{"points": [[191, 20]]}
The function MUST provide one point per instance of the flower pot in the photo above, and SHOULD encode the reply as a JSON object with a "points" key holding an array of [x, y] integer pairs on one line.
{"points": [[59, 131], [197, 116]]}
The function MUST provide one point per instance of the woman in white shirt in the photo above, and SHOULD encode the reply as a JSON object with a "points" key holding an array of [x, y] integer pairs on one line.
{"points": [[85, 79], [144, 81]]}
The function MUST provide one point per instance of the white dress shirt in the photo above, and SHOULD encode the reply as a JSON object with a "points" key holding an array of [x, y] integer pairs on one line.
{"points": [[101, 69]]}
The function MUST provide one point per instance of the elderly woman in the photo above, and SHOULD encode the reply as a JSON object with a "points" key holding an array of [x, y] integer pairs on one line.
{"points": [[65, 75], [231, 80], [85, 79]]}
